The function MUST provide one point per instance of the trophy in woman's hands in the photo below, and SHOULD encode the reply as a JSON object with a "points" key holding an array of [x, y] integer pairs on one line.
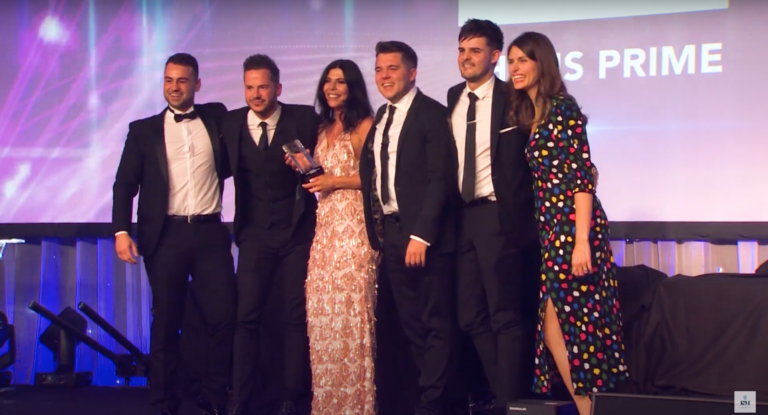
{"points": [[303, 161]]}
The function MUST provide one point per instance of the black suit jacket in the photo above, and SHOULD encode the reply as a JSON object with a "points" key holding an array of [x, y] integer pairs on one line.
{"points": [[511, 176], [143, 170], [296, 122], [425, 178]]}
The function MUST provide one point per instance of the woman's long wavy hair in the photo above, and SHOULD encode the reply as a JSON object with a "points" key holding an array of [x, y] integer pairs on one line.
{"points": [[357, 106], [523, 111]]}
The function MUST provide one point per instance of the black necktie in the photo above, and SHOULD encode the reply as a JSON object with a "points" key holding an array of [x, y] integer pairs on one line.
{"points": [[264, 139], [468, 182], [384, 157], [181, 117]]}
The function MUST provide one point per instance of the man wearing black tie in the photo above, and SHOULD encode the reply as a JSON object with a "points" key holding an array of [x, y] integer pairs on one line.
{"points": [[274, 226], [175, 162], [498, 250], [408, 187]]}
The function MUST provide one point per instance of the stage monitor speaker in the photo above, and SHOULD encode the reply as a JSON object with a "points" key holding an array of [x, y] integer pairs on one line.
{"points": [[624, 404], [539, 407]]}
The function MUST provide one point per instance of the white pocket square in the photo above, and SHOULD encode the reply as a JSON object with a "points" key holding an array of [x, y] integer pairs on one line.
{"points": [[507, 129]]}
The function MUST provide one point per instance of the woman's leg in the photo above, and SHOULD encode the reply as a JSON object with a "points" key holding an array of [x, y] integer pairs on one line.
{"points": [[553, 338]]}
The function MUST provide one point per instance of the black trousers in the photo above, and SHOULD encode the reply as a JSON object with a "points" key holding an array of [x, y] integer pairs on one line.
{"points": [[263, 262], [202, 251], [496, 280], [424, 300]]}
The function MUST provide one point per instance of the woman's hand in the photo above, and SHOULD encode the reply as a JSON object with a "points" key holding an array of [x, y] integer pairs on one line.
{"points": [[322, 183], [581, 261]]}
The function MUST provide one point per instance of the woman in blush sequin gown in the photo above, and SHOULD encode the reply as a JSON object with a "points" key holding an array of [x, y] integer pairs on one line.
{"points": [[341, 281], [579, 325]]}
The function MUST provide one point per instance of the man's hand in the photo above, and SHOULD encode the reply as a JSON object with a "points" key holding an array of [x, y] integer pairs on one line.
{"points": [[301, 159], [126, 249], [290, 163], [416, 254]]}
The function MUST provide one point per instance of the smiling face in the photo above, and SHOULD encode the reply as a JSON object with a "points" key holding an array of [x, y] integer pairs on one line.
{"points": [[477, 59], [180, 86], [394, 78], [523, 71], [335, 89], [261, 92]]}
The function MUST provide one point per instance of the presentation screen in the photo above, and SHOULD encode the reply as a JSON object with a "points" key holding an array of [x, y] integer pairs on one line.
{"points": [[675, 90]]}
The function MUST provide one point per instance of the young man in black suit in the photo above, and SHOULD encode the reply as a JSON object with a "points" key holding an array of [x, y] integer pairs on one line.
{"points": [[408, 183], [498, 248], [175, 162], [274, 225]]}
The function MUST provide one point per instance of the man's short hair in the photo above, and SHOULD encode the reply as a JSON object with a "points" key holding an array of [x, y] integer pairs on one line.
{"points": [[395, 46], [492, 33], [260, 61], [184, 59]]}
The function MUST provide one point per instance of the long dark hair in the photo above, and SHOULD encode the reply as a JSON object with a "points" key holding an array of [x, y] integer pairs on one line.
{"points": [[538, 48], [356, 108]]}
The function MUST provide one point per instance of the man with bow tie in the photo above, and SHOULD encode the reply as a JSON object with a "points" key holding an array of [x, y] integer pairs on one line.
{"points": [[176, 163]]}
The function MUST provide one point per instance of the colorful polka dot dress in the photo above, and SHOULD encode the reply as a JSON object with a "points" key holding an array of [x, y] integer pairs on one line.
{"points": [[588, 306]]}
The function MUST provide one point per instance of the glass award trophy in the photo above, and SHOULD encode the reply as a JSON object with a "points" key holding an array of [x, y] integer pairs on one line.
{"points": [[303, 160]]}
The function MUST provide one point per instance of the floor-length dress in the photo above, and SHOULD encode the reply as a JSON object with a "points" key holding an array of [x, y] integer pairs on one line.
{"points": [[341, 294], [587, 307]]}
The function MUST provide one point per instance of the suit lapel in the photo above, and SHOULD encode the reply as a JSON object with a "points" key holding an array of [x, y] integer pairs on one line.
{"points": [[453, 98], [409, 119], [158, 140], [235, 132], [285, 131], [372, 134], [213, 135], [497, 114], [370, 166]]}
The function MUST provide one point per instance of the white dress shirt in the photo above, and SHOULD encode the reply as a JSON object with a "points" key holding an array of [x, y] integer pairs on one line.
{"points": [[401, 111], [483, 110], [254, 125], [193, 183]]}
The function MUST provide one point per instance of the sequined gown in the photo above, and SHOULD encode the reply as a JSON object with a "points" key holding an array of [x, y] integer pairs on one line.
{"points": [[341, 294]]}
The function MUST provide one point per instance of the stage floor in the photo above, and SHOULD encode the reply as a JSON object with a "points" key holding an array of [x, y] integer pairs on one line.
{"points": [[92, 400]]}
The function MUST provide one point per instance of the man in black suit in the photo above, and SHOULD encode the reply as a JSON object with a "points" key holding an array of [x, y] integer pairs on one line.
{"points": [[274, 225], [175, 158], [498, 249], [408, 181]]}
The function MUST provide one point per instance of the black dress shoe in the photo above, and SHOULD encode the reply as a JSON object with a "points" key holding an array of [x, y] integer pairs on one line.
{"points": [[237, 410], [208, 408], [288, 408], [482, 400]]}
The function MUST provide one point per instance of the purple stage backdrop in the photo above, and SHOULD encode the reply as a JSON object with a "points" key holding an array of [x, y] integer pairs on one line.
{"points": [[675, 93]]}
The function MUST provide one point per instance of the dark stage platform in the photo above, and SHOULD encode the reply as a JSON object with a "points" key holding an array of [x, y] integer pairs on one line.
{"points": [[36, 400], [95, 400]]}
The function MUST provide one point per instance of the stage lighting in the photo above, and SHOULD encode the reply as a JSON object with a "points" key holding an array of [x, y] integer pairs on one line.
{"points": [[127, 366], [7, 335], [63, 343]]}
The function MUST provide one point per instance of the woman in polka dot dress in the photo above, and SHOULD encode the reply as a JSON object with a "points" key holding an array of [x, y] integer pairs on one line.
{"points": [[579, 318]]}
